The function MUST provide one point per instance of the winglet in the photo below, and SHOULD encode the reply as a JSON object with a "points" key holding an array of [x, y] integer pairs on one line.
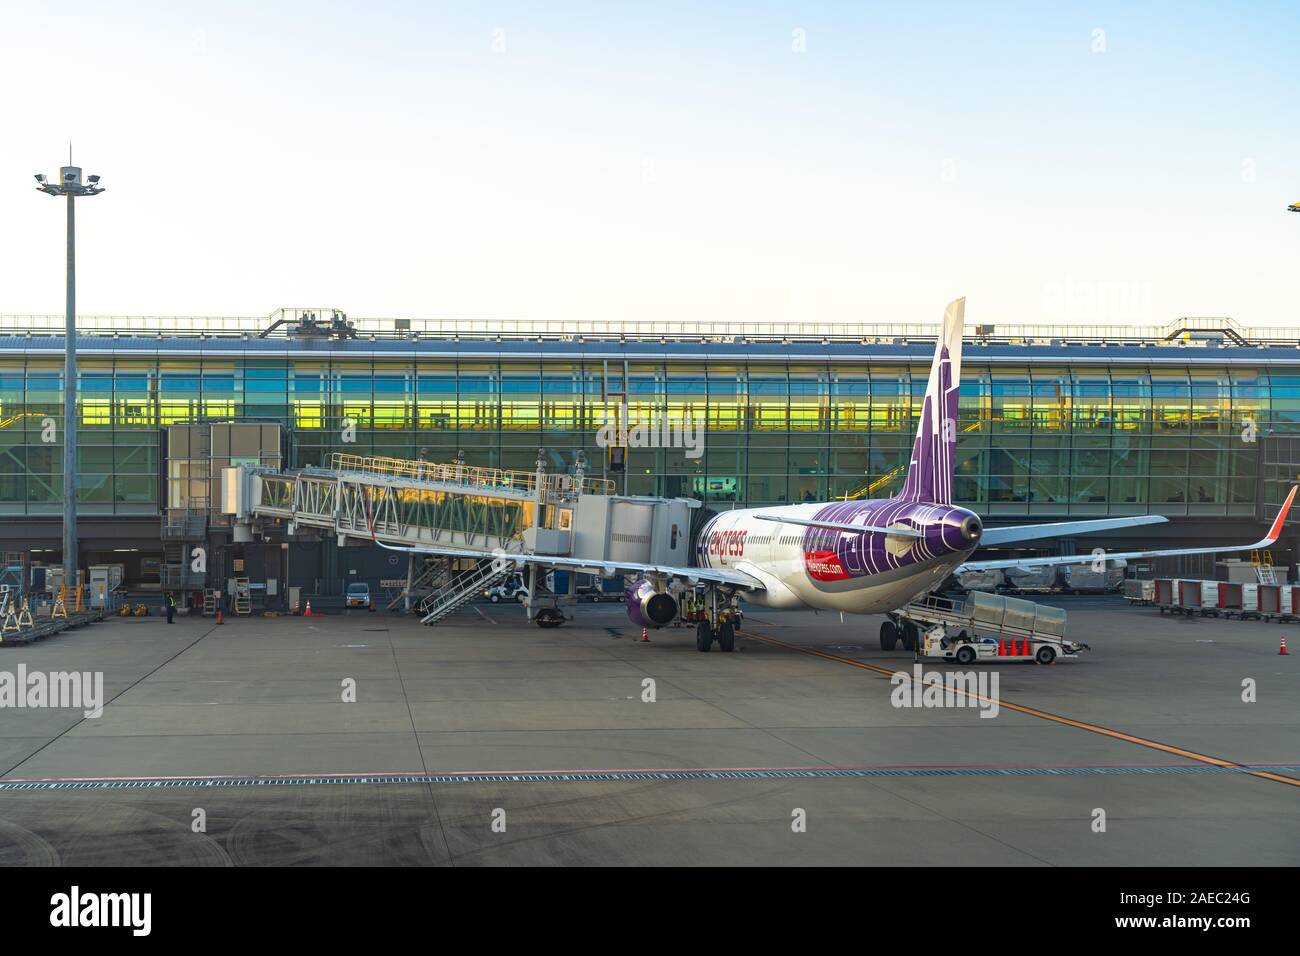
{"points": [[1280, 520]]}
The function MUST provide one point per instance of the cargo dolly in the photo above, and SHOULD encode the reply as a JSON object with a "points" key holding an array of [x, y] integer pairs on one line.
{"points": [[980, 627]]}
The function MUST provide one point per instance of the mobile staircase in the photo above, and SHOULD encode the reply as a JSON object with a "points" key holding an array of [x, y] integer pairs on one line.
{"points": [[462, 588]]}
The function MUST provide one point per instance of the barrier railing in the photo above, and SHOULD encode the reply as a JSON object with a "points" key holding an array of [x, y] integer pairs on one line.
{"points": [[498, 478]]}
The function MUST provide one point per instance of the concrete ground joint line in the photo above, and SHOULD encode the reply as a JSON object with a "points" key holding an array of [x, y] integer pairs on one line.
{"points": [[419, 748], [718, 707], [79, 722]]}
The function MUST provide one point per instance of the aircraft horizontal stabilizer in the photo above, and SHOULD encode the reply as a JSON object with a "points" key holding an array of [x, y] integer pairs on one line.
{"points": [[843, 526]]}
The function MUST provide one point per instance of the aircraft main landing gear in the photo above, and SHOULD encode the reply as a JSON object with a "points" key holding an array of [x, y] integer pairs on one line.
{"points": [[727, 636], [703, 636], [888, 636]]}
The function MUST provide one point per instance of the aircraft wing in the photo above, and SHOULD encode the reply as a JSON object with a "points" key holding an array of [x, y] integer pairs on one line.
{"points": [[1264, 542], [1056, 529], [603, 568]]}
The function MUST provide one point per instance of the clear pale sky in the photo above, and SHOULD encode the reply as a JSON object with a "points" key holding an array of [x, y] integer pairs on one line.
{"points": [[672, 159]]}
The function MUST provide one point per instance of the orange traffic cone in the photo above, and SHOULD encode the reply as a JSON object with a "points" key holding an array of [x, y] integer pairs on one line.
{"points": [[1282, 647], [645, 635], [220, 620], [307, 613], [1002, 648]]}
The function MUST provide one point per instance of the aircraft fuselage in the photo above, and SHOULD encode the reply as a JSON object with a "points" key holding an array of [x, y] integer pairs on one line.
{"points": [[825, 568]]}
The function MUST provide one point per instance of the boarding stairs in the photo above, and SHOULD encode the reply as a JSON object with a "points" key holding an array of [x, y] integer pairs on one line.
{"points": [[434, 575], [461, 589]]}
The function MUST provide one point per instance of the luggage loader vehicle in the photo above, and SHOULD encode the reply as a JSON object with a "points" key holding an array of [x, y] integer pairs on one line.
{"points": [[982, 627]]}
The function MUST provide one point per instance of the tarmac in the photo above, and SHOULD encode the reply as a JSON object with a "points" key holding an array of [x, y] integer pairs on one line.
{"points": [[485, 740]]}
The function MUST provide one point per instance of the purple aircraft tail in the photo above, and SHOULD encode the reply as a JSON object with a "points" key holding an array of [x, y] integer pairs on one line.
{"points": [[929, 474]]}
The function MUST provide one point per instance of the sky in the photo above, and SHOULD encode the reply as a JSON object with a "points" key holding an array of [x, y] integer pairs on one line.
{"points": [[1082, 163]]}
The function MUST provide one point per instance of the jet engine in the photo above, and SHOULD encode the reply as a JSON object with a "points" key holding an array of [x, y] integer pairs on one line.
{"points": [[647, 606]]}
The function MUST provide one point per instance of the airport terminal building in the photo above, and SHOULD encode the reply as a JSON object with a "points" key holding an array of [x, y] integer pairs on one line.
{"points": [[1199, 420]]}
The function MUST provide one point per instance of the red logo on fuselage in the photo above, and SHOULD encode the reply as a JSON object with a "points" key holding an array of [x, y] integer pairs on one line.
{"points": [[824, 566], [728, 543]]}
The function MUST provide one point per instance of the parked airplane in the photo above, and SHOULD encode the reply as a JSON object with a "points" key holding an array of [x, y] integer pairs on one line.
{"points": [[861, 557]]}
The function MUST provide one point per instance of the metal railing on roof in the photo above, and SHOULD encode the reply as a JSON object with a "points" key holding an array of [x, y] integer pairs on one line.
{"points": [[1184, 329]]}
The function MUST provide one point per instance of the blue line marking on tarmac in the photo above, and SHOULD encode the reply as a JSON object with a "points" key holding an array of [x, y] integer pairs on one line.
{"points": [[622, 776]]}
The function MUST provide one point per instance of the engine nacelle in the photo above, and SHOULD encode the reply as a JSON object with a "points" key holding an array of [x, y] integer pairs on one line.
{"points": [[647, 607]]}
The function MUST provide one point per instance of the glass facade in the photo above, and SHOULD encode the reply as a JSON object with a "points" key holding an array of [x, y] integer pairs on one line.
{"points": [[1042, 437]]}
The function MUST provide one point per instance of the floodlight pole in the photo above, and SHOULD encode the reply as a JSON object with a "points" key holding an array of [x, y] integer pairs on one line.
{"points": [[70, 185], [70, 410]]}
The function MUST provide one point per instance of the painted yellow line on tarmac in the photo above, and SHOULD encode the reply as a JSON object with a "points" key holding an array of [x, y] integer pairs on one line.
{"points": [[1034, 712]]}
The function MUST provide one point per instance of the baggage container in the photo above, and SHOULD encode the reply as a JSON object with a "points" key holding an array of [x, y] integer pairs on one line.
{"points": [[1291, 602], [1085, 578], [981, 580], [1032, 579], [1210, 598], [1270, 600], [1246, 604], [1229, 598], [1140, 592], [1166, 594], [1189, 596]]}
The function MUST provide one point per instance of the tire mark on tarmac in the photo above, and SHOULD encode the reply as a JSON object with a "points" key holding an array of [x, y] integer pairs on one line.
{"points": [[1043, 714], [817, 757]]}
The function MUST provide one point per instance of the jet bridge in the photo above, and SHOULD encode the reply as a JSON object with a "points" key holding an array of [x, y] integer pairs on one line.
{"points": [[425, 504]]}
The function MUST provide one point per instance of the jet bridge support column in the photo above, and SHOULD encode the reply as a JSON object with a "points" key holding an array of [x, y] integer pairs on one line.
{"points": [[531, 603], [410, 582]]}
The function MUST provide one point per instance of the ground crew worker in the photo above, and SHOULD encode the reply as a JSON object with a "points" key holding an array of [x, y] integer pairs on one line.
{"points": [[171, 607]]}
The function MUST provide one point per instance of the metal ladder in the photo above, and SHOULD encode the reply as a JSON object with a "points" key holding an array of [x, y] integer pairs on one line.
{"points": [[1265, 572], [425, 585], [211, 599], [460, 589], [243, 597]]}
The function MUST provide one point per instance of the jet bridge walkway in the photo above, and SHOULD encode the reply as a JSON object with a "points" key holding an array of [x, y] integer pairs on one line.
{"points": [[459, 507], [411, 504]]}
